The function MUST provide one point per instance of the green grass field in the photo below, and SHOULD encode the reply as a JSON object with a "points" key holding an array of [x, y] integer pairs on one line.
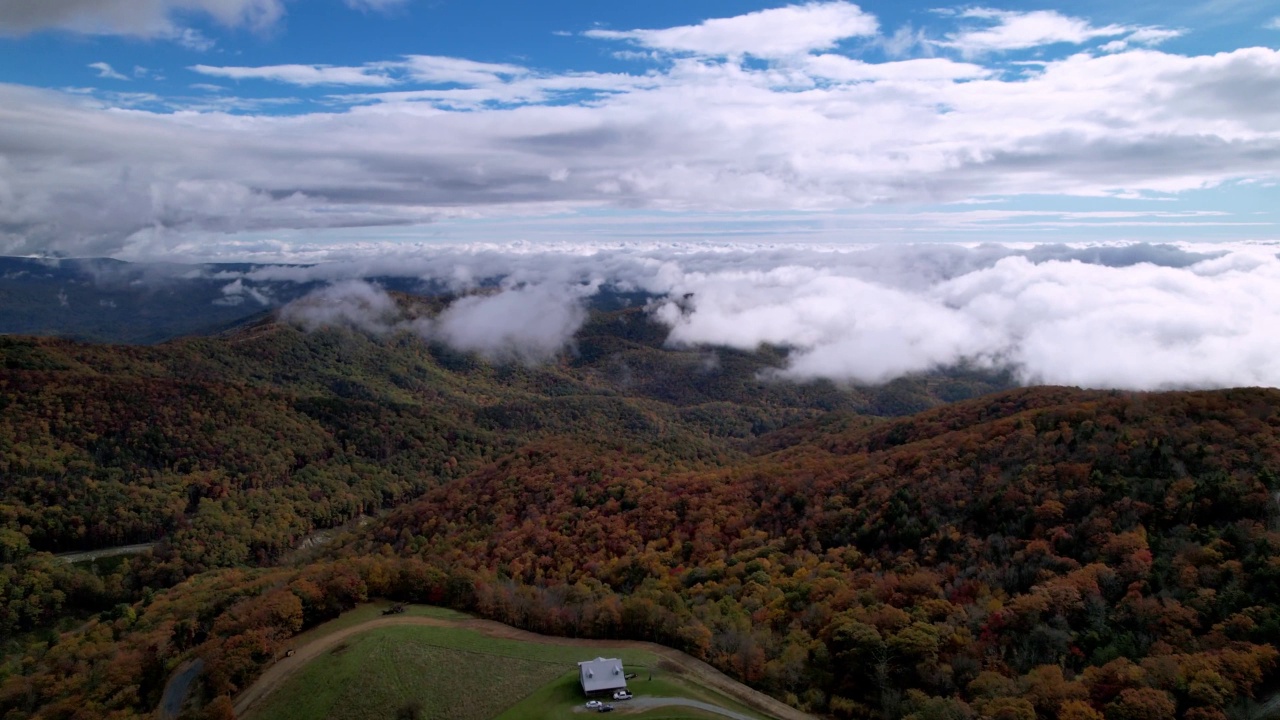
{"points": [[415, 672], [562, 700]]}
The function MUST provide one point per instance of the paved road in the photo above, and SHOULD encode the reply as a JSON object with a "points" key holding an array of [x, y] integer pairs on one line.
{"points": [[175, 691], [287, 667], [1270, 708], [75, 557]]}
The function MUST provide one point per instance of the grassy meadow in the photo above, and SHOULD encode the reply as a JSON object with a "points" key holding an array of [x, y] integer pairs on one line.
{"points": [[562, 700], [417, 672]]}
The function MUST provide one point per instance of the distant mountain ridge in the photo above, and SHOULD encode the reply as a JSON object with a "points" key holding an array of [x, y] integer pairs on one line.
{"points": [[113, 301], [107, 300]]}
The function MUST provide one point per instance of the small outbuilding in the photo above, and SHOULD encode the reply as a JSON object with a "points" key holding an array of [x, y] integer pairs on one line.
{"points": [[602, 676]]}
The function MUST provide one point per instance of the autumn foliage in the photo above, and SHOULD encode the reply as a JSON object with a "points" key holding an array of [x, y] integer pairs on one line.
{"points": [[1036, 553]]}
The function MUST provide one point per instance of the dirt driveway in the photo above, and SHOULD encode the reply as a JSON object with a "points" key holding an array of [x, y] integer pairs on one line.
{"points": [[681, 663]]}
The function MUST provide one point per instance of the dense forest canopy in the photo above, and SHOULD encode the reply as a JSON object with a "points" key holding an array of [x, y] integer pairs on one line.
{"points": [[938, 547]]}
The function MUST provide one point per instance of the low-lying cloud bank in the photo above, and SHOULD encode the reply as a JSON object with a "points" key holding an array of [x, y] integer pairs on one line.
{"points": [[1135, 316], [528, 324]]}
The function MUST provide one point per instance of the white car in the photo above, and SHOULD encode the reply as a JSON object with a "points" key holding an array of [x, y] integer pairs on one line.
{"points": [[622, 695], [593, 704]]}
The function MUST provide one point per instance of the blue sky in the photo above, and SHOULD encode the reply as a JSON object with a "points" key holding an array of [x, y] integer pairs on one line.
{"points": [[231, 129]]}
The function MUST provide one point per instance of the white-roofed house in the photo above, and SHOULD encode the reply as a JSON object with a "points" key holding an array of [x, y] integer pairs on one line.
{"points": [[601, 676]]}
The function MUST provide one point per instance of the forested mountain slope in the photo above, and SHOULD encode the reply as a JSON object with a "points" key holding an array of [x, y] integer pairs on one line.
{"points": [[1118, 547], [314, 428], [1041, 552]]}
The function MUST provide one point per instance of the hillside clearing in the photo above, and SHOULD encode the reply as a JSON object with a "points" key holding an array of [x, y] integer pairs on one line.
{"points": [[338, 663]]}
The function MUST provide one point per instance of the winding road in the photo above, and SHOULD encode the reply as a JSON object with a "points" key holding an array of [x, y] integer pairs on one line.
{"points": [[175, 691], [287, 667], [82, 556]]}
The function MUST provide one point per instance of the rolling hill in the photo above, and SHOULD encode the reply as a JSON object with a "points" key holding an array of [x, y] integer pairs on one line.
{"points": [[942, 546]]}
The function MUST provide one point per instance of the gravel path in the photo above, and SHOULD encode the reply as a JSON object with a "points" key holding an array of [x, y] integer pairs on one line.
{"points": [[287, 667], [644, 703]]}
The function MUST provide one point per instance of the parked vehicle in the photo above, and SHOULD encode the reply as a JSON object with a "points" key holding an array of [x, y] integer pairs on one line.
{"points": [[605, 708], [622, 695], [593, 704]]}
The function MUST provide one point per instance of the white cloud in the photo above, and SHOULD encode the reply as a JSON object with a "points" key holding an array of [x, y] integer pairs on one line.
{"points": [[236, 292], [516, 88], [843, 327], [527, 324], [304, 75], [1137, 317], [375, 5], [142, 18], [822, 132], [1146, 36], [1151, 36], [906, 41], [425, 69], [192, 39], [840, 67], [1020, 30], [106, 71], [350, 303], [1143, 327], [441, 69], [1274, 24], [777, 32]]}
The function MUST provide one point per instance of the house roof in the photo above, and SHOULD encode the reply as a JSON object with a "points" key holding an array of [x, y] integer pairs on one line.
{"points": [[601, 674]]}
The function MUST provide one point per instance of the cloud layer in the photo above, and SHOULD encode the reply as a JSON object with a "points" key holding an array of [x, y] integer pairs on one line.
{"points": [[141, 18], [1018, 30], [769, 110], [1135, 317], [518, 323], [777, 32], [82, 179]]}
